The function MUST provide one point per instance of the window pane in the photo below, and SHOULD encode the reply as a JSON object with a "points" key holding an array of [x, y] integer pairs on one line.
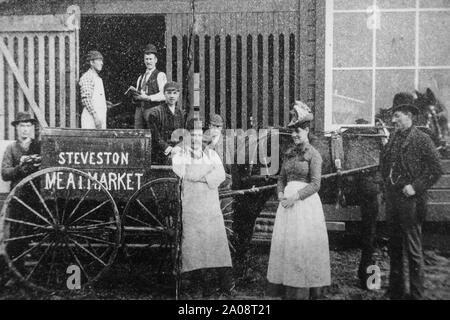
{"points": [[434, 38], [390, 82], [352, 4], [389, 4], [434, 3], [395, 40], [352, 96], [439, 82], [352, 42]]}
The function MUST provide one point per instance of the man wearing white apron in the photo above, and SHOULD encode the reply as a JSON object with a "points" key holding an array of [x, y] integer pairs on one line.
{"points": [[93, 94]]}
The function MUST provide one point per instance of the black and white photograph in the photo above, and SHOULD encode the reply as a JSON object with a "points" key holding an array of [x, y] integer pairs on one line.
{"points": [[208, 150]]}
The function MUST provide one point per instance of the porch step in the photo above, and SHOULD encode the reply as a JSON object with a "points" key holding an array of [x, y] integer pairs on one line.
{"points": [[439, 195], [438, 211], [445, 166], [443, 182]]}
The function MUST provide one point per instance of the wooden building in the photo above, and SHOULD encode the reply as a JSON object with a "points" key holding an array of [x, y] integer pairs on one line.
{"points": [[246, 55], [245, 59], [250, 58]]}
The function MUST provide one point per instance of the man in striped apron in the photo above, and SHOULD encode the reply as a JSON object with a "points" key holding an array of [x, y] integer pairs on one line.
{"points": [[92, 94]]}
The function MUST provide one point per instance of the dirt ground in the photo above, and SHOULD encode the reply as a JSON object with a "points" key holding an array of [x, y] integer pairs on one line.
{"points": [[123, 283]]}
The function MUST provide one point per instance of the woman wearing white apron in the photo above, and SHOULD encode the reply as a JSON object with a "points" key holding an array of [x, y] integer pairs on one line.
{"points": [[92, 94], [299, 253], [204, 242]]}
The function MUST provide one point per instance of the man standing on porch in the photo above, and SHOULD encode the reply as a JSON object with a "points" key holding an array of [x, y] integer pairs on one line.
{"points": [[150, 86], [92, 94]]}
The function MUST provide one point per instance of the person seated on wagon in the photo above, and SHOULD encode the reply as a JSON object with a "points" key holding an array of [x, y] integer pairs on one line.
{"points": [[164, 120], [22, 157], [204, 242]]}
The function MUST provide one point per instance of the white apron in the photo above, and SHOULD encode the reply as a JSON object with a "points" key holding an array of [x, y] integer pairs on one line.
{"points": [[99, 103], [299, 251], [204, 240]]}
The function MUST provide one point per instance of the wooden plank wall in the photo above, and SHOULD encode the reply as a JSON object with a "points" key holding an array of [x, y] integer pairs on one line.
{"points": [[248, 63], [48, 62]]}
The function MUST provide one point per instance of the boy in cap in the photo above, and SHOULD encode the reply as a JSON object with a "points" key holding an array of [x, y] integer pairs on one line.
{"points": [[21, 158], [409, 165], [150, 86], [215, 129], [163, 121], [92, 94]]}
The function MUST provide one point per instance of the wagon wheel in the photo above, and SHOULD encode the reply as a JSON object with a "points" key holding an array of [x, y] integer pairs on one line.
{"points": [[58, 218], [152, 220], [227, 208]]}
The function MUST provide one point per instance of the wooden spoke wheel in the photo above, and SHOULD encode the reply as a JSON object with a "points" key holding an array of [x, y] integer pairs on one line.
{"points": [[61, 229], [226, 205], [151, 220]]}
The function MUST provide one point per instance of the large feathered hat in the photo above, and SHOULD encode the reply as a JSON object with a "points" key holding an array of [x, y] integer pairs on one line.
{"points": [[301, 113]]}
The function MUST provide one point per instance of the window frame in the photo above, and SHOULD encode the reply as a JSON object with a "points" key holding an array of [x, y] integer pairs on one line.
{"points": [[329, 68]]}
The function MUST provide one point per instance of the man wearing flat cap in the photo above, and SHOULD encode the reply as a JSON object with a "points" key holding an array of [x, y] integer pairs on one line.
{"points": [[409, 165], [92, 94], [150, 86], [215, 129], [163, 121], [21, 158]]}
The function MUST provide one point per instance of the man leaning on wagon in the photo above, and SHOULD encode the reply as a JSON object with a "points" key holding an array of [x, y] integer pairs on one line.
{"points": [[149, 87], [409, 166]]}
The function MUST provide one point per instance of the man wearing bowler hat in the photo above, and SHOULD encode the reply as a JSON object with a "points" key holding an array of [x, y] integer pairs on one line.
{"points": [[409, 165], [149, 87], [163, 121], [21, 158], [92, 94]]}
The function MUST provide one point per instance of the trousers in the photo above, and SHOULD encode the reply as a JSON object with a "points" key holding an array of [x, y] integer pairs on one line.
{"points": [[405, 217], [141, 118]]}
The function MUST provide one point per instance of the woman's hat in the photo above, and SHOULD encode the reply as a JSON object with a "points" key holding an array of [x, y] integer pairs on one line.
{"points": [[216, 120], [93, 55], [301, 113], [404, 101], [23, 117]]}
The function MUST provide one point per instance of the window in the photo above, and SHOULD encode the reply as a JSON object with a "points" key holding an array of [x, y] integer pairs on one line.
{"points": [[376, 48]]}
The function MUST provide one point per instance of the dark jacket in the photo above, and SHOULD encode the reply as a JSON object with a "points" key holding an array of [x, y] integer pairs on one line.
{"points": [[162, 124], [11, 170], [419, 158]]}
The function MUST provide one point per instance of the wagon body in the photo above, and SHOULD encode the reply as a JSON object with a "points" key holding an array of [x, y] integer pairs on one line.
{"points": [[96, 192]]}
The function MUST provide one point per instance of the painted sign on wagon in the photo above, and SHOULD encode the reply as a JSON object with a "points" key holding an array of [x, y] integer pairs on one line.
{"points": [[118, 159]]}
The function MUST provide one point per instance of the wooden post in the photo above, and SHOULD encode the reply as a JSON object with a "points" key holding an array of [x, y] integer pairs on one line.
{"points": [[9, 59]]}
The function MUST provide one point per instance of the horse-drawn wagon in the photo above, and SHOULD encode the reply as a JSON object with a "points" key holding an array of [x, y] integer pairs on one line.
{"points": [[95, 193], [98, 192]]}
